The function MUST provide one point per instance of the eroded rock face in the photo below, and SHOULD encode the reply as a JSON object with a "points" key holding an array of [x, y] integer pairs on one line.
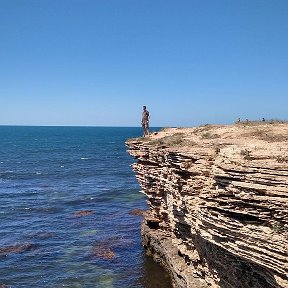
{"points": [[219, 196]]}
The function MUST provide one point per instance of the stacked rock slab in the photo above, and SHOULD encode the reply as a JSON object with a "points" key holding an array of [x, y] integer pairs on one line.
{"points": [[218, 198]]}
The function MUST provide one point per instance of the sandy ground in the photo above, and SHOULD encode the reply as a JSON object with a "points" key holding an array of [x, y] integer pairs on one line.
{"points": [[253, 140]]}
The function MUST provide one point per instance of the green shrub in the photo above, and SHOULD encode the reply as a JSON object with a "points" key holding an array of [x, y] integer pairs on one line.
{"points": [[246, 153], [208, 135]]}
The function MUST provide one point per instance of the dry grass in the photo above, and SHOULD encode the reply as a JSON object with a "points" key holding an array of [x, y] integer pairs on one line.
{"points": [[246, 154], [279, 228], [176, 139], [217, 150], [266, 135], [282, 159], [208, 135], [205, 128], [139, 139], [172, 140]]}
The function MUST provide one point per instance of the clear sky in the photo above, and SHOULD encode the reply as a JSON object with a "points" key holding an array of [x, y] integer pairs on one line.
{"points": [[97, 62]]}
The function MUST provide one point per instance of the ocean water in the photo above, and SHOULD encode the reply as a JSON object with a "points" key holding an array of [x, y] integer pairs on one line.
{"points": [[65, 198]]}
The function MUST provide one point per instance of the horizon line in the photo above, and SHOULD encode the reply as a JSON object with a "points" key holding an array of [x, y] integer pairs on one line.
{"points": [[88, 126]]}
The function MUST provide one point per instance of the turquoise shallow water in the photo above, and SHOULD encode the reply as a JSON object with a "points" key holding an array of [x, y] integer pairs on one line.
{"points": [[65, 198]]}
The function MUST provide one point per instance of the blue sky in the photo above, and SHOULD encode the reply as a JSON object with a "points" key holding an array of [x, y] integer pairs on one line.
{"points": [[97, 62]]}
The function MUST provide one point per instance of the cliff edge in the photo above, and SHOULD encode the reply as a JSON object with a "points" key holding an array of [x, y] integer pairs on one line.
{"points": [[218, 198]]}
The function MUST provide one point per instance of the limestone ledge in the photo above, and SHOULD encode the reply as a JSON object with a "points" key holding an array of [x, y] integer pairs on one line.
{"points": [[219, 194]]}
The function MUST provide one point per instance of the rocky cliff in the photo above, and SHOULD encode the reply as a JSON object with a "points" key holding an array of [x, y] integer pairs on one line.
{"points": [[218, 198]]}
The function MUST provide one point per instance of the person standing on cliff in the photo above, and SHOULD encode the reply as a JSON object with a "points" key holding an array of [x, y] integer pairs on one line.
{"points": [[145, 121]]}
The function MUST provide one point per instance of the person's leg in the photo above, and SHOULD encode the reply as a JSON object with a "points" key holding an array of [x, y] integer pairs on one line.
{"points": [[145, 130], [143, 127]]}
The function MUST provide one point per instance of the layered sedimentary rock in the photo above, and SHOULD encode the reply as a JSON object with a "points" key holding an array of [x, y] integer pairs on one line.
{"points": [[218, 198]]}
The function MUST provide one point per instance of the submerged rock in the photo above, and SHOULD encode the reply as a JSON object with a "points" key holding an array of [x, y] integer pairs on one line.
{"points": [[138, 212], [19, 248], [103, 252], [41, 235], [106, 248], [83, 213]]}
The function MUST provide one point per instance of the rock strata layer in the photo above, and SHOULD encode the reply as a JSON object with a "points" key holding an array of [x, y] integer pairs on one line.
{"points": [[218, 198]]}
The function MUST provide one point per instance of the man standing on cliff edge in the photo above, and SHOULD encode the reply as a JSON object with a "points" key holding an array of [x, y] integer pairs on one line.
{"points": [[145, 121]]}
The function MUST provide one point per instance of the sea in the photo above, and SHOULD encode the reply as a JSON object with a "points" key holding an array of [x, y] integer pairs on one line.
{"points": [[67, 196]]}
